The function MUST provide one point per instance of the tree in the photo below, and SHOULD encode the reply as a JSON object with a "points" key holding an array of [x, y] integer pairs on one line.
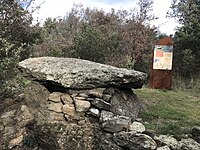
{"points": [[16, 36], [187, 37], [121, 38]]}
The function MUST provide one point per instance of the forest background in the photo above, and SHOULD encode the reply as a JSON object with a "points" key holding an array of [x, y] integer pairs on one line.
{"points": [[120, 38]]}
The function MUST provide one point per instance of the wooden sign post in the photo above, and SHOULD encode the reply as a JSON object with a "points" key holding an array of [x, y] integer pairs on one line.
{"points": [[161, 67]]}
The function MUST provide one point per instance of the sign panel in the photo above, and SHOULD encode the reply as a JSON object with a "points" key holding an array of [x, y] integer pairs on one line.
{"points": [[163, 55]]}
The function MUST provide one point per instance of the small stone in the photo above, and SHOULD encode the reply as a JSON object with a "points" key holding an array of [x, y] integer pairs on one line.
{"points": [[106, 97], [1, 126], [95, 94], [82, 106], [66, 99], [93, 111], [90, 99], [138, 119], [15, 142], [56, 107], [105, 115], [109, 91], [55, 96], [6, 118], [68, 110], [54, 116], [83, 95], [137, 127], [80, 98], [163, 148], [9, 131], [82, 122], [101, 104], [26, 112]]}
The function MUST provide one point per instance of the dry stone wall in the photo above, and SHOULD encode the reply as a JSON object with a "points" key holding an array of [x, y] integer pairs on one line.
{"points": [[74, 104]]}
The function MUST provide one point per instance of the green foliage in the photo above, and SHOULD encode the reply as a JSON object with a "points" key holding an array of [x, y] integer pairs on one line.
{"points": [[16, 37], [187, 37], [120, 38], [89, 45]]}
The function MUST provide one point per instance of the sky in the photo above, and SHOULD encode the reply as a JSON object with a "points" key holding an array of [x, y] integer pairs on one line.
{"points": [[58, 8]]}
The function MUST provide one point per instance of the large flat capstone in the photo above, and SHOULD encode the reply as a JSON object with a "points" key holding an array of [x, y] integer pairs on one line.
{"points": [[80, 74]]}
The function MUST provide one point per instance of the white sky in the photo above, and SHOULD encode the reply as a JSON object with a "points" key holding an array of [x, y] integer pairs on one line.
{"points": [[58, 8]]}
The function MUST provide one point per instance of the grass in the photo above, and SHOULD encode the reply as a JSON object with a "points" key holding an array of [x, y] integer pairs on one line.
{"points": [[172, 112]]}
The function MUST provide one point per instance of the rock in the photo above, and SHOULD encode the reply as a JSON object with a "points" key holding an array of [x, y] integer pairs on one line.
{"points": [[69, 110], [65, 136], [82, 106], [196, 133], [56, 107], [55, 96], [24, 117], [66, 99], [168, 140], [108, 144], [2, 126], [79, 74], [83, 95], [26, 112], [105, 115], [109, 91], [37, 100], [101, 104], [163, 148], [80, 98], [55, 117], [94, 112], [137, 127], [134, 141], [15, 142], [116, 124], [189, 144], [95, 94], [125, 103], [7, 118], [106, 97]]}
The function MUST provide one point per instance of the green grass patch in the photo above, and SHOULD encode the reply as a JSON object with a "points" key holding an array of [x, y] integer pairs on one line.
{"points": [[170, 112]]}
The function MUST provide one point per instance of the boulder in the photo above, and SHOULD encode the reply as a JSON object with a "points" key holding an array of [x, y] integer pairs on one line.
{"points": [[134, 141], [116, 124], [137, 127], [189, 144], [125, 103], [168, 140], [79, 74], [196, 133]]}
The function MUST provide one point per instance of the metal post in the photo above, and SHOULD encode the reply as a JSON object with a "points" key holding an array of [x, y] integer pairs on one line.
{"points": [[161, 67]]}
